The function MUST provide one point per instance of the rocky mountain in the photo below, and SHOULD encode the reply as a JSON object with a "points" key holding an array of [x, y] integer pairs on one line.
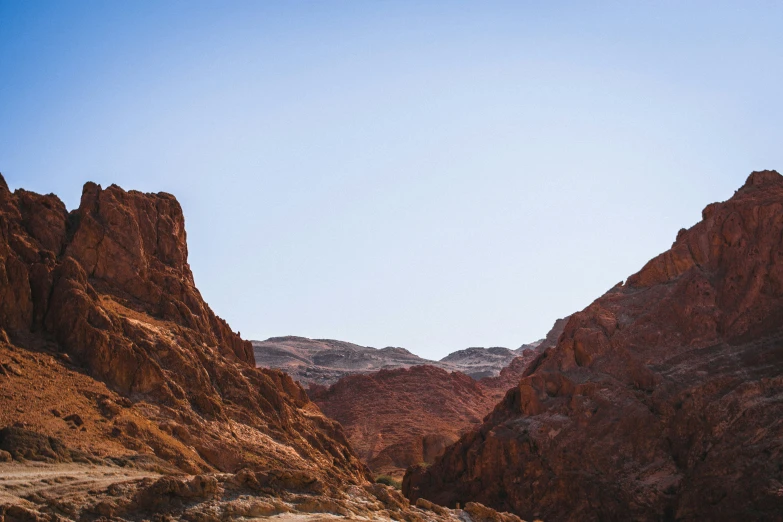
{"points": [[396, 418], [481, 362], [400, 417], [325, 361], [662, 400], [115, 370], [551, 337]]}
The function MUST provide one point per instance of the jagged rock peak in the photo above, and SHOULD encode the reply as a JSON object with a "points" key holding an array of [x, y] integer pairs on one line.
{"points": [[763, 177], [109, 286]]}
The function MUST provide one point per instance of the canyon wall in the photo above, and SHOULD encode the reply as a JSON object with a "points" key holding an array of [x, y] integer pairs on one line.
{"points": [[662, 400]]}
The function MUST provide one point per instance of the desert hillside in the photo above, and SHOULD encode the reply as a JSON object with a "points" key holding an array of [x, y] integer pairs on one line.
{"points": [[662, 400], [124, 396], [405, 416]]}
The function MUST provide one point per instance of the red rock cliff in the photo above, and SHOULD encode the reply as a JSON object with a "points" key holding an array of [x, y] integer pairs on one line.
{"points": [[662, 400], [107, 288], [401, 417]]}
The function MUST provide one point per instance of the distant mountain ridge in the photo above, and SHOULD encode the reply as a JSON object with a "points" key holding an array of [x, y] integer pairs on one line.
{"points": [[325, 361], [404, 416]]}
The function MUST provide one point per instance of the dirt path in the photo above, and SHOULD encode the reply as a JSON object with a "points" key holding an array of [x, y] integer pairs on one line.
{"points": [[59, 481], [72, 488]]}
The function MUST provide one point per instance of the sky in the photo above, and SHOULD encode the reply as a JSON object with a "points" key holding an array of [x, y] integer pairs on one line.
{"points": [[431, 175]]}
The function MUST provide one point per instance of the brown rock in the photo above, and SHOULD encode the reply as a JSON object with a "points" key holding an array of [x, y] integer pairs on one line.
{"points": [[249, 508], [395, 418], [401, 417], [108, 288], [661, 400], [75, 419], [12, 369], [423, 503], [23, 444], [481, 513], [159, 384]]}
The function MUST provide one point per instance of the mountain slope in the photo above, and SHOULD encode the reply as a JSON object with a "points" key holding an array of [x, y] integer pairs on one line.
{"points": [[109, 285], [662, 400], [400, 417], [109, 357], [481, 362]]}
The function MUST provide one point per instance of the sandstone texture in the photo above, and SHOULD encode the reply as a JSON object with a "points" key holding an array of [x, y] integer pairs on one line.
{"points": [[662, 400], [396, 418], [107, 289], [401, 417], [124, 397]]}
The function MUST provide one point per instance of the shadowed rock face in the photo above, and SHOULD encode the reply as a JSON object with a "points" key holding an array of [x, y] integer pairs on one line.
{"points": [[662, 400], [482, 362], [108, 287], [401, 417]]}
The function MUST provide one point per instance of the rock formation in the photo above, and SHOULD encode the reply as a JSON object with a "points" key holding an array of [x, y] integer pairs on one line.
{"points": [[396, 418], [109, 285], [551, 337], [400, 417], [325, 361], [110, 356], [662, 400], [482, 362]]}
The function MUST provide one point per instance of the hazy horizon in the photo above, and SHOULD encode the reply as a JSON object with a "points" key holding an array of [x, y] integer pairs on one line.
{"points": [[432, 176]]}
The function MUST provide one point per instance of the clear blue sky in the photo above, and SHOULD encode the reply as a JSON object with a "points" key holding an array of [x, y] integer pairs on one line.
{"points": [[433, 175]]}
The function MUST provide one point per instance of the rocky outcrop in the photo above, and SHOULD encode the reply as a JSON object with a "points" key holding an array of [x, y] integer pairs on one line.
{"points": [[133, 398], [401, 417], [662, 400], [107, 289], [481, 362], [396, 418]]}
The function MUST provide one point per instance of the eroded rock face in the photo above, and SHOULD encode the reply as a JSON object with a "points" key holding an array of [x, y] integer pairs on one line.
{"points": [[661, 401], [401, 417], [396, 418], [107, 289]]}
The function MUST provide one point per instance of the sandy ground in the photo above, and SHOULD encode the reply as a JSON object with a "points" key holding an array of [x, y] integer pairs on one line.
{"points": [[61, 484], [315, 517], [59, 481]]}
